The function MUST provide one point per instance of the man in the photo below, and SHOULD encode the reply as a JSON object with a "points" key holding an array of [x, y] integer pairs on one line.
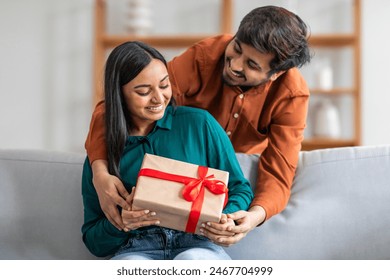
{"points": [[250, 83]]}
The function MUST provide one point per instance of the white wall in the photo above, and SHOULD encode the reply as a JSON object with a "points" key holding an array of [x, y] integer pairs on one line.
{"points": [[46, 63], [45, 73], [375, 72], [22, 83]]}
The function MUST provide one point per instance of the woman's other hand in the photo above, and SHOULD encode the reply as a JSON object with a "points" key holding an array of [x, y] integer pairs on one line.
{"points": [[243, 223]]}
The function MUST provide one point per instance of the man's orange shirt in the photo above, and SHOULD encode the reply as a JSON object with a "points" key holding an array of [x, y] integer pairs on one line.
{"points": [[267, 120]]}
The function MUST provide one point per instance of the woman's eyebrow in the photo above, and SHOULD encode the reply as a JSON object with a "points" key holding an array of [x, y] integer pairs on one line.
{"points": [[142, 85], [146, 85], [167, 76]]}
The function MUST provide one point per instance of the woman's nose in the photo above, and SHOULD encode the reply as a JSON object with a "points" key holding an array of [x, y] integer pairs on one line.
{"points": [[158, 97]]}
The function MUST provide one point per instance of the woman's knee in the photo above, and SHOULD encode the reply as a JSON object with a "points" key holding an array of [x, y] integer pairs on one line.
{"points": [[202, 254], [130, 256]]}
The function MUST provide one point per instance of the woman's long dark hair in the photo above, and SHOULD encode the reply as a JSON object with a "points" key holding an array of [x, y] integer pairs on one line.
{"points": [[124, 63]]}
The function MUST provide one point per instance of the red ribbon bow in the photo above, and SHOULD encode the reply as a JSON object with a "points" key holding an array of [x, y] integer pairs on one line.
{"points": [[193, 190]]}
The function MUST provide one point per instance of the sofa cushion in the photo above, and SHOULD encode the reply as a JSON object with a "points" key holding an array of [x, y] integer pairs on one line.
{"points": [[41, 205], [339, 209]]}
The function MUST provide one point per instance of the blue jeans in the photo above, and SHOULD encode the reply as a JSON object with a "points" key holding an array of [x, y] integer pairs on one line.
{"points": [[158, 243]]}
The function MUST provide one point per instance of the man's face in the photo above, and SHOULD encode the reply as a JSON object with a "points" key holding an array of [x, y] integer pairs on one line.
{"points": [[245, 66]]}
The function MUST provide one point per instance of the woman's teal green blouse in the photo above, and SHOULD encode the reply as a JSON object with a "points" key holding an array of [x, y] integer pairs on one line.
{"points": [[187, 134]]}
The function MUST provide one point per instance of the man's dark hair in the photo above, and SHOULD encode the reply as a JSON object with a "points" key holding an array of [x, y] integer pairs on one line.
{"points": [[277, 31]]}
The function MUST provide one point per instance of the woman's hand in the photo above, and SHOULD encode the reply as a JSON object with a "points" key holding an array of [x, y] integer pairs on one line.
{"points": [[111, 192], [134, 219], [244, 222], [217, 231]]}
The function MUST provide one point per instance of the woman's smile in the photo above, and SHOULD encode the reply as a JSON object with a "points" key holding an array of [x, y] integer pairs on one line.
{"points": [[156, 108]]}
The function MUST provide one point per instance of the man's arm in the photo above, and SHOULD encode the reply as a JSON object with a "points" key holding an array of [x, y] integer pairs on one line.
{"points": [[278, 162], [95, 144], [276, 171]]}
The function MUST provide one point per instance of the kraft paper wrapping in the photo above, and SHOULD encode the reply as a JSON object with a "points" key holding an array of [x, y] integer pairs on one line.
{"points": [[166, 199]]}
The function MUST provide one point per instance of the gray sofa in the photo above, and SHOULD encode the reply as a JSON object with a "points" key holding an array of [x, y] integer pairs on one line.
{"points": [[339, 207]]}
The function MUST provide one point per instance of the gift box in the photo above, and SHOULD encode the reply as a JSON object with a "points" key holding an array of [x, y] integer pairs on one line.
{"points": [[183, 195]]}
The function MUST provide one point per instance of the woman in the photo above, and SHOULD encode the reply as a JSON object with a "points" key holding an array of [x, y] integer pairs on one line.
{"points": [[141, 118]]}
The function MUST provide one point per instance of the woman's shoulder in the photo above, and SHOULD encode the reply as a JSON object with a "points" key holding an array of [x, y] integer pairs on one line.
{"points": [[191, 111], [191, 115]]}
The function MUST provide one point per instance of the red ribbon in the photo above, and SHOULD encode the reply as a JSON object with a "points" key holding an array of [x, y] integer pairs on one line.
{"points": [[193, 190]]}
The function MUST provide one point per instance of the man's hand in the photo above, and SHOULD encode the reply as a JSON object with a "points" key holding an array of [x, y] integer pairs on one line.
{"points": [[111, 193], [245, 221]]}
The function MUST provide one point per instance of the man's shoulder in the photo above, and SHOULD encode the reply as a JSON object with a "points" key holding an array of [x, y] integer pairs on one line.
{"points": [[214, 46], [294, 83], [222, 39]]}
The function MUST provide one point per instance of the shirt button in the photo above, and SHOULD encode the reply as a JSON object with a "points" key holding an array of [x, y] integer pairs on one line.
{"points": [[235, 115], [241, 96], [229, 133]]}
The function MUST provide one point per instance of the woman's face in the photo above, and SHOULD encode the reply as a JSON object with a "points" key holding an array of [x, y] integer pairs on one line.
{"points": [[148, 94]]}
